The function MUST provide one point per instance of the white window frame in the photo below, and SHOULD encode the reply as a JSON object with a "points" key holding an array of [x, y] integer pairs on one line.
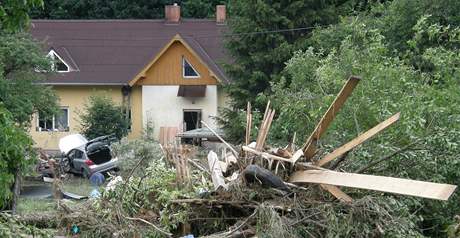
{"points": [[53, 122], [183, 70], [52, 54]]}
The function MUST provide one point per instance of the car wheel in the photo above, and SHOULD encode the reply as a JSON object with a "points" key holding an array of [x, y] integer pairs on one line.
{"points": [[85, 173]]}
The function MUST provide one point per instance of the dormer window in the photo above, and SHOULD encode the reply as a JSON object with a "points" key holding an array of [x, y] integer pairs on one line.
{"points": [[187, 70], [58, 63]]}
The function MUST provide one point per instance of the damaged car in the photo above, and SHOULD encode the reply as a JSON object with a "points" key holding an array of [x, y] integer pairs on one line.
{"points": [[85, 157]]}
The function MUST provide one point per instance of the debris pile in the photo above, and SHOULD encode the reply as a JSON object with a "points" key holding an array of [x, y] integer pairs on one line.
{"points": [[279, 175], [254, 189]]}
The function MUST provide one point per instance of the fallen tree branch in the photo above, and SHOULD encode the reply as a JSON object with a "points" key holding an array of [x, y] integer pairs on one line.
{"points": [[241, 225], [376, 162], [151, 224]]}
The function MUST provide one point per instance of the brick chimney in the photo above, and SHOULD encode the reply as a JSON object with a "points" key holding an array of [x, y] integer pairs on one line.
{"points": [[220, 14], [172, 13]]}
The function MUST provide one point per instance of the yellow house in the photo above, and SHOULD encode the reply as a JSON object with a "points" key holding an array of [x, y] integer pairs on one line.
{"points": [[168, 72]]}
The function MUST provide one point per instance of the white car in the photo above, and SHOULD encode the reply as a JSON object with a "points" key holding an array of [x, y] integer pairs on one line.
{"points": [[87, 157]]}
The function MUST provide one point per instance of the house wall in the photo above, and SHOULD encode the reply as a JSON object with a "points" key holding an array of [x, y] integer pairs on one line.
{"points": [[75, 97], [167, 70], [163, 107]]}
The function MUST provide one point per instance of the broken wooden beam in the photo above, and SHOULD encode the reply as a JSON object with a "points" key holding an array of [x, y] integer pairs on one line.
{"points": [[216, 171], [378, 183], [358, 140], [265, 154], [321, 127]]}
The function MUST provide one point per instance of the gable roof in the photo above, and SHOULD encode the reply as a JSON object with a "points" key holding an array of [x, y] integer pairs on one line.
{"points": [[177, 38], [113, 52]]}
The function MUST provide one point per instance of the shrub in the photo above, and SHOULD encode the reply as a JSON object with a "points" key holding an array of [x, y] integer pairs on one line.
{"points": [[103, 117]]}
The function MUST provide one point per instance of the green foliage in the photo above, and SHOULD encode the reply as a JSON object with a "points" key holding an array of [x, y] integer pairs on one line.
{"points": [[20, 91], [389, 84], [453, 231], [122, 9], [10, 227], [259, 58], [15, 154], [151, 188], [103, 117], [14, 14]]}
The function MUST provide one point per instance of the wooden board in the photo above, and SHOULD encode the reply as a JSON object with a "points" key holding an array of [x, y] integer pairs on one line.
{"points": [[310, 145], [265, 154], [168, 135], [378, 183], [358, 140], [339, 194], [216, 171]]}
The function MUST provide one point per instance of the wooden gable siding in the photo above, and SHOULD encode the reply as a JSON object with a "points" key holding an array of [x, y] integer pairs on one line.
{"points": [[167, 70]]}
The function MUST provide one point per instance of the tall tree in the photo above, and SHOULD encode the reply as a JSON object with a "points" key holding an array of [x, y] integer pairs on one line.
{"points": [[283, 26], [20, 95], [122, 9], [14, 14]]}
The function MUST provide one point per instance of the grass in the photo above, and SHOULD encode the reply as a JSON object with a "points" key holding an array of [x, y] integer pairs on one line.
{"points": [[77, 185], [32, 205], [74, 184]]}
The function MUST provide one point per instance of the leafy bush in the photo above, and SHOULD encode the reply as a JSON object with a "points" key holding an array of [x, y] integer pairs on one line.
{"points": [[103, 117], [15, 148]]}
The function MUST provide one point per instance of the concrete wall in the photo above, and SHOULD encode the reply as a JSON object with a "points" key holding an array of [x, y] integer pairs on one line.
{"points": [[75, 98], [163, 107]]}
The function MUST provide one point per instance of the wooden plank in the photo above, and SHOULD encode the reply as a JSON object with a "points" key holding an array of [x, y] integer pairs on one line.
{"points": [[216, 171], [266, 129], [296, 156], [248, 124], [221, 139], [336, 192], [310, 145], [265, 154], [378, 183], [358, 140]]}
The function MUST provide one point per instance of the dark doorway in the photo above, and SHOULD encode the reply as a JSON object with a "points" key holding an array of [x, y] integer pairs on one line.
{"points": [[192, 119]]}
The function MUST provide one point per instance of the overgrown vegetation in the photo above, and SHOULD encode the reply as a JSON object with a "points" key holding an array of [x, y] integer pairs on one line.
{"points": [[122, 9], [21, 95], [407, 53], [102, 116]]}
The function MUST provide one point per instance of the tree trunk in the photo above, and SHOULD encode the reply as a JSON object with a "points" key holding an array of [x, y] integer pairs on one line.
{"points": [[16, 191]]}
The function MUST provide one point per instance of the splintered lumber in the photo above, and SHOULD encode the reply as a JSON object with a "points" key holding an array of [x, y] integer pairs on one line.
{"points": [[168, 135], [267, 128], [358, 140], [248, 124], [264, 127], [336, 192], [216, 172], [296, 156], [310, 145], [221, 139], [378, 183], [265, 154]]}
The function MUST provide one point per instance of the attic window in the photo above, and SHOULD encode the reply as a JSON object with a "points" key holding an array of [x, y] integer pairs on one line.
{"points": [[187, 70], [58, 63]]}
